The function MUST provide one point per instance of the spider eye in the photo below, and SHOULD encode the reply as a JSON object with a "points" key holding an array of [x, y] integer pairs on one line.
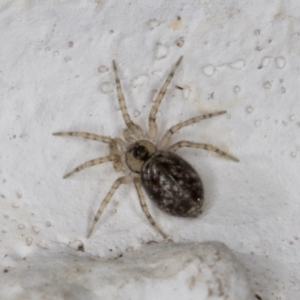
{"points": [[140, 152]]}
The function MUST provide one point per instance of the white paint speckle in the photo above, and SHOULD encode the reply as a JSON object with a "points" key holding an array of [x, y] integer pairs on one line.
{"points": [[55, 53], [257, 123], [76, 245], [180, 42], [130, 249], [280, 62], [209, 70], [265, 62], [267, 85], [292, 117], [249, 109], [238, 64], [36, 229], [140, 80], [44, 244], [153, 24], [21, 226], [161, 51], [136, 113], [103, 69], [236, 89], [29, 240], [186, 92], [106, 87], [257, 32]]}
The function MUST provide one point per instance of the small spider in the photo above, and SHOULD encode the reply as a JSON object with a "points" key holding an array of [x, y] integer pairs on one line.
{"points": [[170, 181]]}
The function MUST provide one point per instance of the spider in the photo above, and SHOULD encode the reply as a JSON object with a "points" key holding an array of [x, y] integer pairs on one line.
{"points": [[169, 180]]}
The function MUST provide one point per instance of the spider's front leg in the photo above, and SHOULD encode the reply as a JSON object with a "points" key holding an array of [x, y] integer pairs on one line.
{"points": [[85, 135], [132, 128], [114, 145], [161, 94]]}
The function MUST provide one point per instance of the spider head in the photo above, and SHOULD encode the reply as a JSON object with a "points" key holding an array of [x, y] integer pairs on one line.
{"points": [[138, 153]]}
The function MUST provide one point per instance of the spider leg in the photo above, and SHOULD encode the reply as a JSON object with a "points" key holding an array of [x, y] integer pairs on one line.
{"points": [[127, 134], [208, 147], [134, 128], [113, 150], [85, 135], [167, 136], [113, 145], [138, 187], [162, 92], [117, 183], [91, 163]]}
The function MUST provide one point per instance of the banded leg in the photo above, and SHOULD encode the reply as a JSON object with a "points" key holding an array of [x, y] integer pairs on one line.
{"points": [[113, 150], [162, 92], [167, 136], [113, 146], [85, 135], [91, 163], [117, 183], [127, 134], [189, 144], [134, 128], [138, 187]]}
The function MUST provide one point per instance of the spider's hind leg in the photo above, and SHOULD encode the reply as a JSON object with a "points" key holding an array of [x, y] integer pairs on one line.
{"points": [[207, 147], [117, 183], [138, 187], [167, 136]]}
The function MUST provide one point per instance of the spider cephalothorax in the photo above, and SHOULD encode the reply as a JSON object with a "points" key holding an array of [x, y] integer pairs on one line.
{"points": [[170, 181], [138, 153]]}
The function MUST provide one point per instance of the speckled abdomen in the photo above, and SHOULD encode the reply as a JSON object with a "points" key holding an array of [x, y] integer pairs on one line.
{"points": [[173, 184]]}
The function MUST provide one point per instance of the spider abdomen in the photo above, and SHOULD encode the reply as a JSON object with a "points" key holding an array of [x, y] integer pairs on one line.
{"points": [[173, 184]]}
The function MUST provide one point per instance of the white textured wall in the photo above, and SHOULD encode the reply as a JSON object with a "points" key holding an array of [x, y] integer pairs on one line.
{"points": [[239, 56]]}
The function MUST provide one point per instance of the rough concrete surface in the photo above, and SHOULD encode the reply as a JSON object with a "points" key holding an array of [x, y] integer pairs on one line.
{"points": [[56, 75], [158, 271]]}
